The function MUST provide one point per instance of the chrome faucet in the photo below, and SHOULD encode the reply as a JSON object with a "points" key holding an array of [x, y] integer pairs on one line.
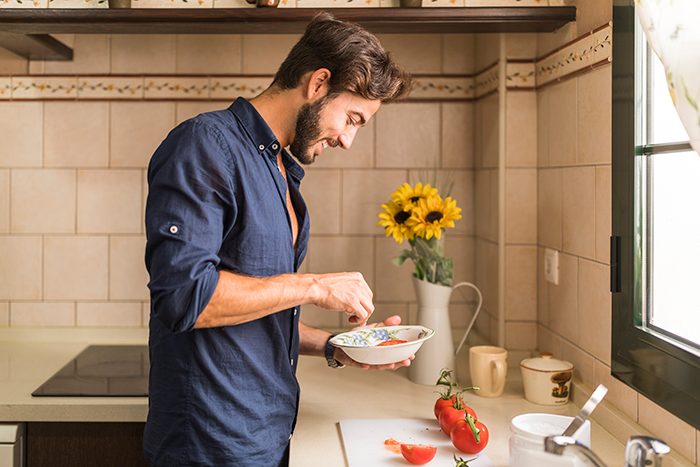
{"points": [[641, 451], [645, 451], [557, 445]]}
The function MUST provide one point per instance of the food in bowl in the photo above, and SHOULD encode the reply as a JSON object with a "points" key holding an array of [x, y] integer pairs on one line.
{"points": [[364, 345]]}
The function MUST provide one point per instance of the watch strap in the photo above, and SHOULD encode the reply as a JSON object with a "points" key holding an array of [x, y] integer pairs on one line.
{"points": [[328, 352]]}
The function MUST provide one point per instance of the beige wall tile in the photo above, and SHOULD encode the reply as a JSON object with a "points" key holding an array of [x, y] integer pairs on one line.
{"points": [[187, 110], [343, 254], [383, 311], [416, 53], [562, 123], [458, 135], [546, 42], [143, 54], [487, 50], [321, 318], [128, 277], [619, 394], [584, 364], [595, 309], [521, 336], [677, 434], [603, 212], [521, 283], [263, 54], [364, 192], [76, 134], [487, 274], [109, 314], [21, 133], [595, 116], [482, 205], [521, 46], [591, 14], [578, 211], [109, 201], [549, 208], [145, 314], [494, 204], [75, 268], [542, 290], [90, 55], [393, 283], [42, 314], [489, 133], [521, 129], [209, 53], [43, 201], [462, 251], [521, 206], [136, 130], [408, 135], [20, 274], [548, 341], [321, 190], [563, 299], [458, 54], [12, 64], [4, 201], [543, 127], [359, 156], [4, 314]]}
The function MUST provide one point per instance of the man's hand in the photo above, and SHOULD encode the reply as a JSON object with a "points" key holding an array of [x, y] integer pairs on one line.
{"points": [[343, 358], [347, 292]]}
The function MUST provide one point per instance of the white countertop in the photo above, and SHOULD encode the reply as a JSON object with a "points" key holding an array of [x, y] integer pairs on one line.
{"points": [[328, 396]]}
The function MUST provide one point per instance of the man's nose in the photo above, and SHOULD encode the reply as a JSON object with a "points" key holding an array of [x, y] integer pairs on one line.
{"points": [[347, 138]]}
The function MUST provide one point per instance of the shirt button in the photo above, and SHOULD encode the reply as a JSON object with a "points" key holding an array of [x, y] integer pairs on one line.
{"points": [[274, 146], [290, 436], [261, 147], [173, 229], [295, 311], [292, 362]]}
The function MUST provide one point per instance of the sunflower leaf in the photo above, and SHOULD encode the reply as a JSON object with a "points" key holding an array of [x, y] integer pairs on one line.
{"points": [[403, 256]]}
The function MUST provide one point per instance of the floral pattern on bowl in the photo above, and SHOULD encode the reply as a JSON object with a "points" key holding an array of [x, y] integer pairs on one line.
{"points": [[362, 344]]}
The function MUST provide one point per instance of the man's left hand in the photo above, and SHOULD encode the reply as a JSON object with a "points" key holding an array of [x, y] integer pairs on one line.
{"points": [[343, 358]]}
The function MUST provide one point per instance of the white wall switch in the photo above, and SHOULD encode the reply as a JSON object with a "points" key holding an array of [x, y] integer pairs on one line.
{"points": [[551, 266]]}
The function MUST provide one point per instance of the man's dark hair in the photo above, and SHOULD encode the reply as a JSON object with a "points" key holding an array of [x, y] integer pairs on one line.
{"points": [[357, 61]]}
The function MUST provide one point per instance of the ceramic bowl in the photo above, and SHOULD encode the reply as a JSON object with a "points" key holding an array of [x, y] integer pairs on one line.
{"points": [[362, 344]]}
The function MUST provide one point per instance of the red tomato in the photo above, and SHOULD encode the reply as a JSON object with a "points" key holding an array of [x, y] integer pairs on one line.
{"points": [[418, 454], [463, 435], [443, 403], [450, 415]]}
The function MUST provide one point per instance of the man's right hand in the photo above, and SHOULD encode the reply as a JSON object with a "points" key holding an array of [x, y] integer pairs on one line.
{"points": [[344, 291]]}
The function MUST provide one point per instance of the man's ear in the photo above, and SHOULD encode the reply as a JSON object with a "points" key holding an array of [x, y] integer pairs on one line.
{"points": [[317, 85]]}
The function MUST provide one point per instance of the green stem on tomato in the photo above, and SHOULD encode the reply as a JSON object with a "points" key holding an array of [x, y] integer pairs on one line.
{"points": [[475, 432], [442, 381]]}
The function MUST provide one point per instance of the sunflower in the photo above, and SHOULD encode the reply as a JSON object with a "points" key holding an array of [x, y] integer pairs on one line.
{"points": [[432, 215], [408, 197], [394, 219]]}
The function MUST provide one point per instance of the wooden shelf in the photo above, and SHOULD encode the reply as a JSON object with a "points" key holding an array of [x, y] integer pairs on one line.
{"points": [[14, 22]]}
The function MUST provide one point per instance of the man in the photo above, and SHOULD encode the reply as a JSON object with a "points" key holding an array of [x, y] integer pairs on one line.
{"points": [[227, 231]]}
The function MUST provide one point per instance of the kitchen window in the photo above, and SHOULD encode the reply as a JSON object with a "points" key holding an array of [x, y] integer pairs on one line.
{"points": [[655, 248]]}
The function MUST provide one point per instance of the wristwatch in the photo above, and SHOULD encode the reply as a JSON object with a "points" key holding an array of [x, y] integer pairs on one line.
{"points": [[332, 362]]}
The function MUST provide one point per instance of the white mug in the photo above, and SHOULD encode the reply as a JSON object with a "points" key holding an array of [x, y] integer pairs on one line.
{"points": [[487, 365]]}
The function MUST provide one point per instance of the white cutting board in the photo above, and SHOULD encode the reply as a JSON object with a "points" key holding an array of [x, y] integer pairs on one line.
{"points": [[364, 443]]}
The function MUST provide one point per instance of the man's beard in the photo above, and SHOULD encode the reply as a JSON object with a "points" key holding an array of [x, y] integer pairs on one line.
{"points": [[308, 130]]}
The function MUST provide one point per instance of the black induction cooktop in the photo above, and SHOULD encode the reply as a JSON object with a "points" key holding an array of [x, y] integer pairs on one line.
{"points": [[102, 370]]}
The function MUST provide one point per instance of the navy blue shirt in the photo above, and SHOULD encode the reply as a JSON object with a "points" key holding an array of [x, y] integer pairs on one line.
{"points": [[225, 396]]}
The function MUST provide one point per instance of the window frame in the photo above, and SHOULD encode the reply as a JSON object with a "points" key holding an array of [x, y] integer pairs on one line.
{"points": [[648, 362]]}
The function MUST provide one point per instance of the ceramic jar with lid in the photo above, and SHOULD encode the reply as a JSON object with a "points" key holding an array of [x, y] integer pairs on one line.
{"points": [[547, 380]]}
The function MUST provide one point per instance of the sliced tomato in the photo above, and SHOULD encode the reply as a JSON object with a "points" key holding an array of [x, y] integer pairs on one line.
{"points": [[418, 454], [391, 342]]}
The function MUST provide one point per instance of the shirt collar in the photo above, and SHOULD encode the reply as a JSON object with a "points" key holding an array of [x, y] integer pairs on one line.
{"points": [[262, 137]]}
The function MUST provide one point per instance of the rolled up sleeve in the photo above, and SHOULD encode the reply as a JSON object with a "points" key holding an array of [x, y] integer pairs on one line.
{"points": [[189, 205]]}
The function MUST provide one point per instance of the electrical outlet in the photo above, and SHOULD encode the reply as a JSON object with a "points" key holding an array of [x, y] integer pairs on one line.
{"points": [[551, 266]]}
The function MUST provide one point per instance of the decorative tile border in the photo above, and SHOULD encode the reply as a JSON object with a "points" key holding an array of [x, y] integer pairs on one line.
{"points": [[172, 4], [110, 87], [487, 81], [5, 87], [44, 87], [230, 87], [520, 75], [282, 3], [443, 88], [176, 88], [92, 4], [337, 3], [33, 4], [588, 51]]}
